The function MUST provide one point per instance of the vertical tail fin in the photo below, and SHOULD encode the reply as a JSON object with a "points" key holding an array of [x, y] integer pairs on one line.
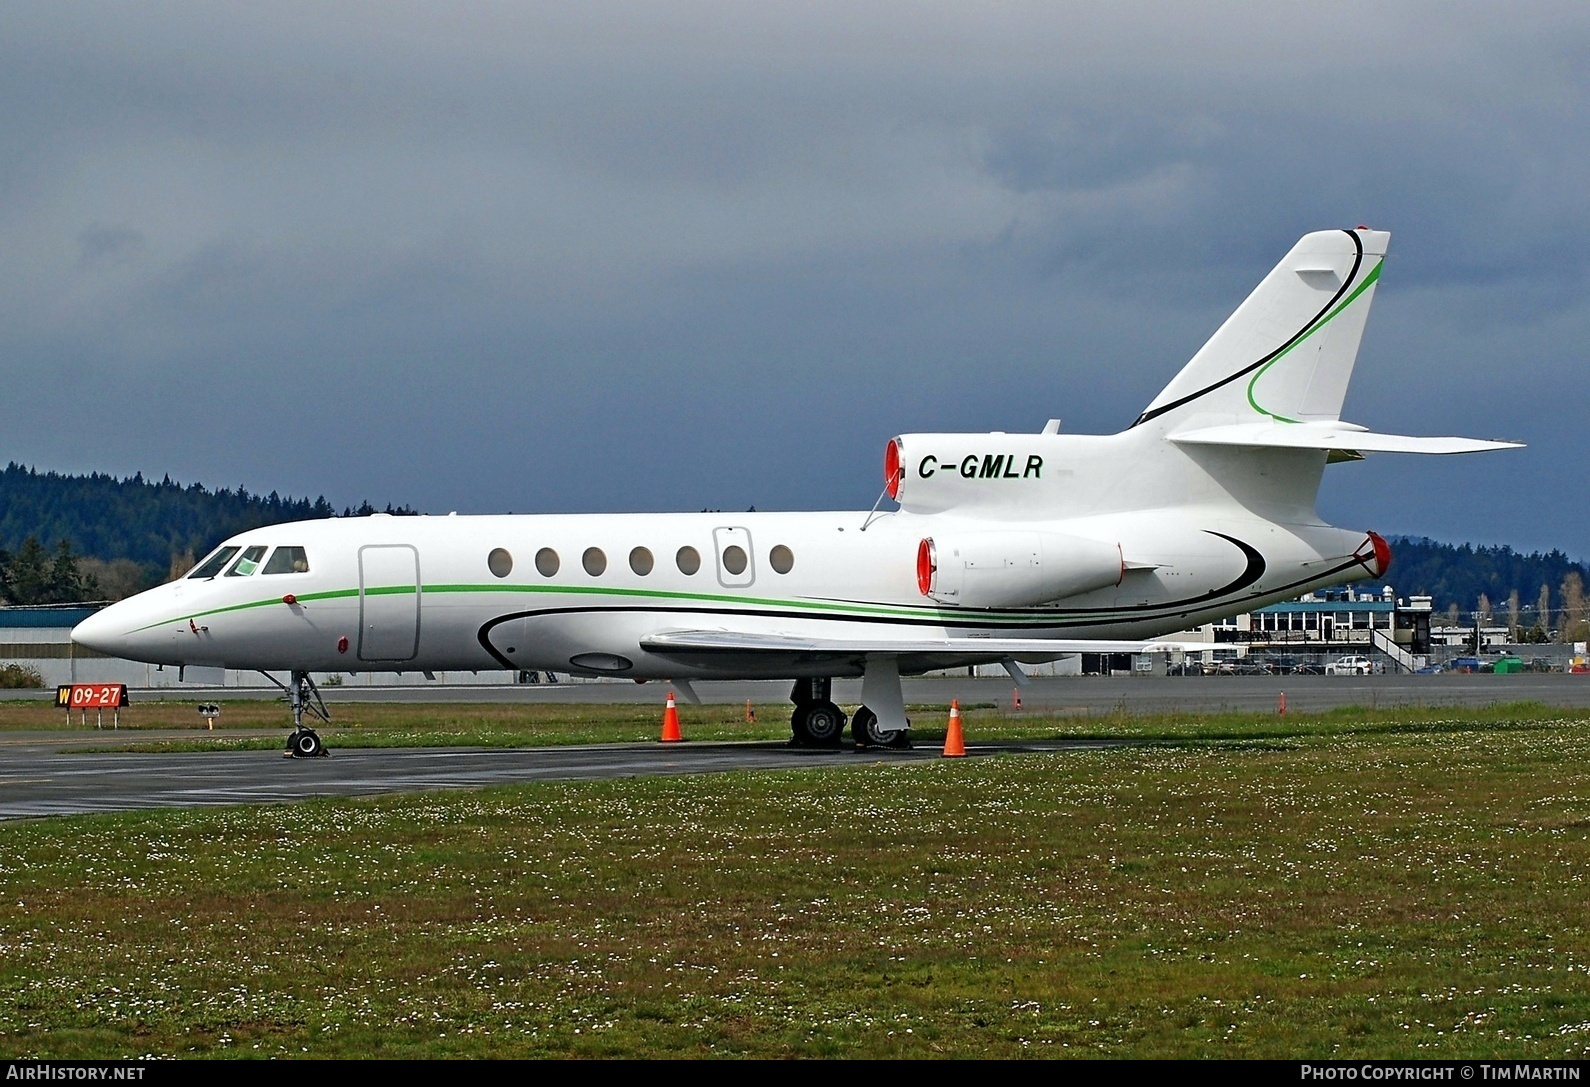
{"points": [[1287, 353]]}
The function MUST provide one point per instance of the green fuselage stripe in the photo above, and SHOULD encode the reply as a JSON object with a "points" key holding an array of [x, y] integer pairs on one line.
{"points": [[827, 607]]}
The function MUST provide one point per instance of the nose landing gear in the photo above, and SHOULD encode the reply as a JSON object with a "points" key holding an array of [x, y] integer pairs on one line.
{"points": [[302, 694], [305, 743]]}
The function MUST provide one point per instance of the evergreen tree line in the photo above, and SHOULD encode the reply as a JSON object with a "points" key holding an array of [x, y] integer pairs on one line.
{"points": [[33, 576], [1539, 595], [67, 538]]}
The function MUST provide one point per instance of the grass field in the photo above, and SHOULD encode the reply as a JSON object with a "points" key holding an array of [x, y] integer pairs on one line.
{"points": [[264, 725], [1397, 883], [400, 725]]}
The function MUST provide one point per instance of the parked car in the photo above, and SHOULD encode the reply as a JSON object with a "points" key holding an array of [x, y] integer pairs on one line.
{"points": [[1350, 666], [1465, 664]]}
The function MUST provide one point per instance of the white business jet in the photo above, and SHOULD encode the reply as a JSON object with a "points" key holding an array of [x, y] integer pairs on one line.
{"points": [[1005, 548]]}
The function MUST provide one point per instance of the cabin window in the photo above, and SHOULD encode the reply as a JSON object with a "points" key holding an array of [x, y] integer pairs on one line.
{"points": [[781, 559], [547, 561], [640, 561], [734, 559], [689, 560], [499, 562], [247, 562], [212, 565], [594, 561], [288, 560]]}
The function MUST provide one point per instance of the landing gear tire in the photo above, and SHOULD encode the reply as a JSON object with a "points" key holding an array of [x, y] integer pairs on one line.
{"points": [[818, 724], [305, 744], [864, 727]]}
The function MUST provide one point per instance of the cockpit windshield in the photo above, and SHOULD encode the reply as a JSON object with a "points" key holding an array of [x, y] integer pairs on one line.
{"points": [[212, 565], [247, 562], [288, 560]]}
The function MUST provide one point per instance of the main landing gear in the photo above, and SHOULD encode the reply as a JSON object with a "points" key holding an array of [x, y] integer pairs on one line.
{"points": [[869, 732], [818, 722], [302, 694]]}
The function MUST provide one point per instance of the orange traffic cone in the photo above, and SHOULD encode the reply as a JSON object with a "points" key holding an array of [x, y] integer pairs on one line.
{"points": [[954, 744], [1280, 704], [1015, 698], [750, 714], [670, 729]]}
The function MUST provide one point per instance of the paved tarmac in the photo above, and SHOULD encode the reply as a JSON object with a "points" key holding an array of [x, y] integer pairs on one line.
{"points": [[39, 778]]}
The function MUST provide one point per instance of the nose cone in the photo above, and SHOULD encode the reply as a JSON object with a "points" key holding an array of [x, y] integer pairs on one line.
{"points": [[131, 629], [99, 632]]}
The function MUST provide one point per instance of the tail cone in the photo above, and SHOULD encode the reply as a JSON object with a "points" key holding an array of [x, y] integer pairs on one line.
{"points": [[1378, 561]]}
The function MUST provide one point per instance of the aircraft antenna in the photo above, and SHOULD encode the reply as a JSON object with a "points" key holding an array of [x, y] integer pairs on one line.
{"points": [[874, 512]]}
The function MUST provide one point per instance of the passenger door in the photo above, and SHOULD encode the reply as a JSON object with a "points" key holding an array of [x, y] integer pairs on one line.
{"points": [[389, 602]]}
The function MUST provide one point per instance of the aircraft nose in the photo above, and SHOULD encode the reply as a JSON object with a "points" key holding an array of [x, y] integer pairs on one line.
{"points": [[139, 628], [100, 632]]}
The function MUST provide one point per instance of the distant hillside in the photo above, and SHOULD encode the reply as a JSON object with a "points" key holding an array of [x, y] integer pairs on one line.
{"points": [[153, 526], [1459, 573]]}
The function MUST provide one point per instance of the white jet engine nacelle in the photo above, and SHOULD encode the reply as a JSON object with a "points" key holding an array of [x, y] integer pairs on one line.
{"points": [[931, 473], [1014, 569]]}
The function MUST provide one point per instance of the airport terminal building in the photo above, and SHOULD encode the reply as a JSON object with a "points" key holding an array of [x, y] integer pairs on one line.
{"points": [[40, 638]]}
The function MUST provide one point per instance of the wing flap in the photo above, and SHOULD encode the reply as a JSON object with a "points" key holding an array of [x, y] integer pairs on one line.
{"points": [[683, 644]]}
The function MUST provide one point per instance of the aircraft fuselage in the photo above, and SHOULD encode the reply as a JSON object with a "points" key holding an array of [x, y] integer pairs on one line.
{"points": [[581, 593]]}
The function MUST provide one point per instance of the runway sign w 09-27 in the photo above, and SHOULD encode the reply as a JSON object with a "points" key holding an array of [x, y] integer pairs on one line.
{"points": [[91, 696]]}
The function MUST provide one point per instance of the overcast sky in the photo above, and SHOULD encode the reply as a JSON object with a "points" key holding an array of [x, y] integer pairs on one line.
{"points": [[608, 257]]}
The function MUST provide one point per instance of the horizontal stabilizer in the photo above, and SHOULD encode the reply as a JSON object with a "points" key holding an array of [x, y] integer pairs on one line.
{"points": [[700, 644], [1332, 435]]}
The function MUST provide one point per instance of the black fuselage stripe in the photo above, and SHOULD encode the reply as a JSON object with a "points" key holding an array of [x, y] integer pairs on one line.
{"points": [[1132, 613], [1358, 260]]}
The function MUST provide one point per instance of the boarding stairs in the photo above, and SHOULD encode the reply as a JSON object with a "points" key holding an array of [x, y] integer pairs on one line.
{"points": [[1384, 642]]}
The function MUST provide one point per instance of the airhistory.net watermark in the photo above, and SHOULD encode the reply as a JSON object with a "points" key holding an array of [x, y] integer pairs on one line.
{"points": [[75, 1071]]}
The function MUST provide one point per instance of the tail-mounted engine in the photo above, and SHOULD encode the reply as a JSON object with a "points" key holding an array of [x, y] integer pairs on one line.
{"points": [[930, 473], [1014, 569]]}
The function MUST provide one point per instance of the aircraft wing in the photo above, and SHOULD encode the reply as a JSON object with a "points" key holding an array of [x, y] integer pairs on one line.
{"points": [[709, 645], [1332, 435]]}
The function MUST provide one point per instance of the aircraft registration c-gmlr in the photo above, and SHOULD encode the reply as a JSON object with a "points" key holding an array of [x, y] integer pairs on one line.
{"points": [[1007, 548]]}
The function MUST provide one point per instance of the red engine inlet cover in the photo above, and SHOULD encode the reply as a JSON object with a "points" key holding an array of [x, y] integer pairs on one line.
{"points": [[1382, 554], [891, 468], [927, 565]]}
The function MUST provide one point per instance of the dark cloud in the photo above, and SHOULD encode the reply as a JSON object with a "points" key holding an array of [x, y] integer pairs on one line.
{"points": [[641, 256], [100, 244]]}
